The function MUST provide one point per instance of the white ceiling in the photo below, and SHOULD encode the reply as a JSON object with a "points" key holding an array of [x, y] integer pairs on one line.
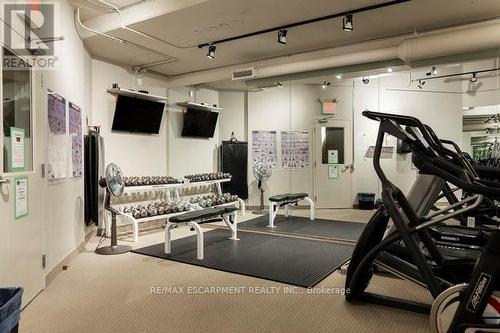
{"points": [[218, 19]]}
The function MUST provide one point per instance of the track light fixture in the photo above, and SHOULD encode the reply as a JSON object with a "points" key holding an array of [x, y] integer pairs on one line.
{"points": [[211, 51], [420, 84], [326, 84], [338, 76], [347, 24], [282, 36], [474, 78], [432, 72], [365, 80]]}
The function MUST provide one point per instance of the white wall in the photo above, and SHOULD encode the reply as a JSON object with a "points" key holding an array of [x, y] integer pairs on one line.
{"points": [[136, 154], [233, 116], [296, 106], [438, 105], [190, 155], [63, 223], [487, 90]]}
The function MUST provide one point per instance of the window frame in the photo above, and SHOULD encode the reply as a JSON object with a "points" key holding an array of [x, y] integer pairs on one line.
{"points": [[33, 123]]}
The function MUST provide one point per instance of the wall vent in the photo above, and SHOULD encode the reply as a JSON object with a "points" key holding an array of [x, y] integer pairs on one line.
{"points": [[243, 74]]}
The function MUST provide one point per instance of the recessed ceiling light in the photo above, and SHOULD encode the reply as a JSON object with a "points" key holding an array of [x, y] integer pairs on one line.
{"points": [[338, 76], [389, 69]]}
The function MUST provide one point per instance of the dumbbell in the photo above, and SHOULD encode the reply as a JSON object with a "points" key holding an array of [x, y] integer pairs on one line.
{"points": [[152, 211], [174, 208]]}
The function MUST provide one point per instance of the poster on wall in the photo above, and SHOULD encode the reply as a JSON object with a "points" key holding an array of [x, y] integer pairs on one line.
{"points": [[57, 154], [16, 149], [56, 108], [264, 147], [75, 131], [295, 150]]}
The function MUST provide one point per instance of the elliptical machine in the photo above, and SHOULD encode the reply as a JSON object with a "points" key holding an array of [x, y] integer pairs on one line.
{"points": [[465, 307]]}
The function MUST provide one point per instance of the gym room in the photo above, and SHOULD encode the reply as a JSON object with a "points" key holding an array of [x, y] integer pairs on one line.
{"points": [[250, 166]]}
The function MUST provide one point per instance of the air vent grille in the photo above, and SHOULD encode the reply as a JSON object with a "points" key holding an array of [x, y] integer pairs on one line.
{"points": [[243, 74]]}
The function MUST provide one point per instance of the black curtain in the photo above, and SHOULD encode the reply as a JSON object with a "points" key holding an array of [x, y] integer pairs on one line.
{"points": [[234, 161], [91, 175]]}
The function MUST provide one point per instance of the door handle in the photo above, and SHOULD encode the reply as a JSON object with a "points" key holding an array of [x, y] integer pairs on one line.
{"points": [[4, 181], [349, 167]]}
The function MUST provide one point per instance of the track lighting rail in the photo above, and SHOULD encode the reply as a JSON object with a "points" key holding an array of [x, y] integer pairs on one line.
{"points": [[456, 74], [314, 20]]}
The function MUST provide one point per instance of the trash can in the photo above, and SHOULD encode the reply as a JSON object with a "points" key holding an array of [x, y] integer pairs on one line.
{"points": [[366, 200], [10, 309]]}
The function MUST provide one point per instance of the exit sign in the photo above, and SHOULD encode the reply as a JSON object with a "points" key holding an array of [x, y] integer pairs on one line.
{"points": [[329, 105]]}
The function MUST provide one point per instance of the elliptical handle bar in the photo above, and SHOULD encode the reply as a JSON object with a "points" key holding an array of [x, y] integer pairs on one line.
{"points": [[442, 166]]}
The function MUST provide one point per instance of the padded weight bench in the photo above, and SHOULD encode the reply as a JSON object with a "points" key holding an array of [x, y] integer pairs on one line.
{"points": [[197, 217], [287, 200]]}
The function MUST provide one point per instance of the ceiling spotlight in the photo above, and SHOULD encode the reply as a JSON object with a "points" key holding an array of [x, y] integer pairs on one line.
{"points": [[389, 69], [420, 84], [326, 84], [365, 80], [474, 78], [282, 36], [211, 51], [347, 24], [338, 76], [432, 72]]}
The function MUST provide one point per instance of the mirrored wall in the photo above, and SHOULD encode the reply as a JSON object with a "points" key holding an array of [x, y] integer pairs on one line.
{"points": [[322, 143]]}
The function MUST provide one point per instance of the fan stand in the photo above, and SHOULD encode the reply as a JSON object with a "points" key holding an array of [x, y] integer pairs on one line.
{"points": [[261, 210], [114, 248]]}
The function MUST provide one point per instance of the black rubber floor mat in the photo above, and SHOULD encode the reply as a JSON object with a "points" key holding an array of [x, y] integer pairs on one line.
{"points": [[294, 261], [303, 226]]}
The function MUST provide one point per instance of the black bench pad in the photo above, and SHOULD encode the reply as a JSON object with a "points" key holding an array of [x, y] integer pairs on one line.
{"points": [[288, 197], [202, 214]]}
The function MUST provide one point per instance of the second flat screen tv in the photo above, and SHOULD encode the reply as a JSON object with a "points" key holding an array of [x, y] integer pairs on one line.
{"points": [[199, 123], [137, 115]]}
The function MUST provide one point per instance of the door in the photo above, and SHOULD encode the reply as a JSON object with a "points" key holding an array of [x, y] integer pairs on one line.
{"points": [[333, 164], [21, 183]]}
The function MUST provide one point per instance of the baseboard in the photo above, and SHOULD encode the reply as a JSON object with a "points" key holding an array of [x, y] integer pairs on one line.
{"points": [[89, 231], [266, 208]]}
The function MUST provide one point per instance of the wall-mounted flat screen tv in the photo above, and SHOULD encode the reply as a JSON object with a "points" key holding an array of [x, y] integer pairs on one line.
{"points": [[199, 123], [137, 115]]}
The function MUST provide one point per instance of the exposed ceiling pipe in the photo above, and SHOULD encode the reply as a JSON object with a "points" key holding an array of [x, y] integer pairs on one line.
{"points": [[479, 38], [169, 59], [381, 54], [126, 27], [452, 42]]}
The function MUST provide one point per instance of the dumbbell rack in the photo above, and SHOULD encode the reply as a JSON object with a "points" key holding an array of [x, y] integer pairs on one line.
{"points": [[175, 188]]}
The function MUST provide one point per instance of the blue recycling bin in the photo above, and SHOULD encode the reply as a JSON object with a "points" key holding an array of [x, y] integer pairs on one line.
{"points": [[366, 200], [10, 309]]}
